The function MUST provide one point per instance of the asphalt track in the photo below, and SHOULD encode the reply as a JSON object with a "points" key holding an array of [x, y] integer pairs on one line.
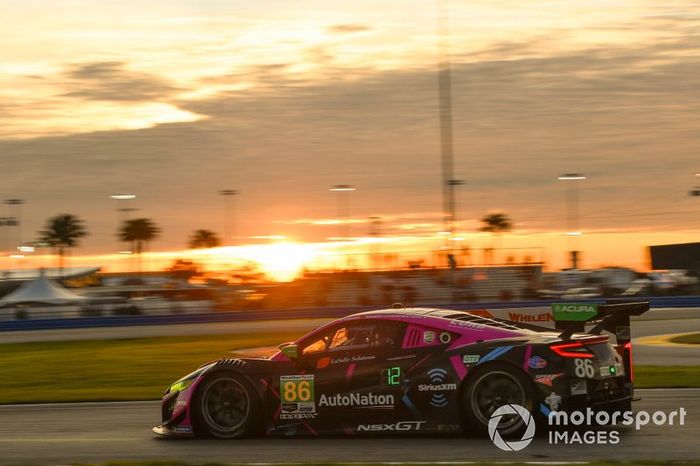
{"points": [[97, 432]]}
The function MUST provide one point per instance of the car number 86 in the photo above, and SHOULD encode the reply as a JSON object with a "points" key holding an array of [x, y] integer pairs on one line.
{"points": [[297, 391], [583, 368]]}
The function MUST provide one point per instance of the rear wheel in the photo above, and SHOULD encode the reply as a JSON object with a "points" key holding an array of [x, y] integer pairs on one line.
{"points": [[225, 406], [493, 387]]}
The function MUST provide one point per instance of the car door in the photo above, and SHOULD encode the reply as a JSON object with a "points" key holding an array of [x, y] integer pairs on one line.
{"points": [[423, 379], [431, 383], [336, 381], [411, 371]]}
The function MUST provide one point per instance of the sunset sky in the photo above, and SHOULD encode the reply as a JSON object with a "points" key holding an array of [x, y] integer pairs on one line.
{"points": [[175, 100]]}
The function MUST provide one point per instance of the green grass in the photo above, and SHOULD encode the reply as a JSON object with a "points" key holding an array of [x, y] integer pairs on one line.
{"points": [[140, 369], [101, 370], [667, 377], [691, 339], [591, 463]]}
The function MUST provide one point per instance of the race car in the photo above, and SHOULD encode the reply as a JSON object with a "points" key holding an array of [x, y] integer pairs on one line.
{"points": [[412, 370]]}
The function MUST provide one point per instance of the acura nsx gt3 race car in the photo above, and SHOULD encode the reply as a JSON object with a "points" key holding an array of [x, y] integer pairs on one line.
{"points": [[412, 371]]}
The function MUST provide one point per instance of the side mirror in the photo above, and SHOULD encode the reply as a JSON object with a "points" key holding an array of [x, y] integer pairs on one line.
{"points": [[289, 349]]}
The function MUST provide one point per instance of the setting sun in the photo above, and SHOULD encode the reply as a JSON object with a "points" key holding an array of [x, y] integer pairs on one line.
{"points": [[281, 261]]}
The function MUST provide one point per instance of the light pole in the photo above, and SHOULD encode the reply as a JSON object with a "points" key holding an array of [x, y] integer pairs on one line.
{"points": [[228, 196], [445, 104], [453, 183], [7, 222], [15, 219], [375, 227], [122, 218], [572, 215], [343, 191]]}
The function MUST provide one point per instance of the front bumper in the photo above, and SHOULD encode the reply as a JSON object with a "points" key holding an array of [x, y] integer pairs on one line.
{"points": [[175, 414], [173, 431]]}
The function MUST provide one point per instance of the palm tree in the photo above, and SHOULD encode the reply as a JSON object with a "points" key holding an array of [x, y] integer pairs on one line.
{"points": [[496, 223], [139, 232], [61, 233], [203, 239]]}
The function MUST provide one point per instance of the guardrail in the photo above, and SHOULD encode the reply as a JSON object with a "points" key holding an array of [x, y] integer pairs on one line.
{"points": [[303, 313]]}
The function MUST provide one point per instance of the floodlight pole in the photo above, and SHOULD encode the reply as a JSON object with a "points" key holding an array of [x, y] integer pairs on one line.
{"points": [[343, 192], [14, 219], [446, 136], [375, 225], [572, 213], [229, 197]]}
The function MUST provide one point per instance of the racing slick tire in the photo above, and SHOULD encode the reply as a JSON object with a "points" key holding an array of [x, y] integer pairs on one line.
{"points": [[491, 387], [226, 406]]}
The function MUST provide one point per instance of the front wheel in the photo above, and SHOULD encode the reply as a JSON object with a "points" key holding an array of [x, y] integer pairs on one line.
{"points": [[491, 388], [225, 406]]}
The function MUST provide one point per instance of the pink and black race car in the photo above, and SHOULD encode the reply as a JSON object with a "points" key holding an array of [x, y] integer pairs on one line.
{"points": [[412, 371]]}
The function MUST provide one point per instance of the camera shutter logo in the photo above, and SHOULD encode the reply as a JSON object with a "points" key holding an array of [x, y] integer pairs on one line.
{"points": [[513, 445]]}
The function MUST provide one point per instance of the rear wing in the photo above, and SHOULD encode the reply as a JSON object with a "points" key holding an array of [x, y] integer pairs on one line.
{"points": [[614, 318]]}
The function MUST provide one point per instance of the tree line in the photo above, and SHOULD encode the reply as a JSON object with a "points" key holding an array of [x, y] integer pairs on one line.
{"points": [[65, 231]]}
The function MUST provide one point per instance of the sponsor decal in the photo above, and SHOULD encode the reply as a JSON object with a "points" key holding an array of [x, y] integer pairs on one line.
{"points": [[298, 416], [347, 359], [289, 407], [437, 388], [573, 312], [607, 371], [323, 363], [578, 387], [553, 401], [183, 429], [398, 426], [297, 396], [357, 400], [445, 337], [439, 384], [547, 379], [537, 362], [466, 324], [428, 336], [290, 351], [449, 427], [520, 317], [510, 410], [470, 358]]}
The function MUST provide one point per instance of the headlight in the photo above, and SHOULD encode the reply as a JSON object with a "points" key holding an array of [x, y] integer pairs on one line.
{"points": [[180, 385], [185, 381]]}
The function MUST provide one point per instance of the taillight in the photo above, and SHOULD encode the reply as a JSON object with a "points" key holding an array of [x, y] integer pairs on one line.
{"points": [[625, 353], [571, 350], [628, 350]]}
